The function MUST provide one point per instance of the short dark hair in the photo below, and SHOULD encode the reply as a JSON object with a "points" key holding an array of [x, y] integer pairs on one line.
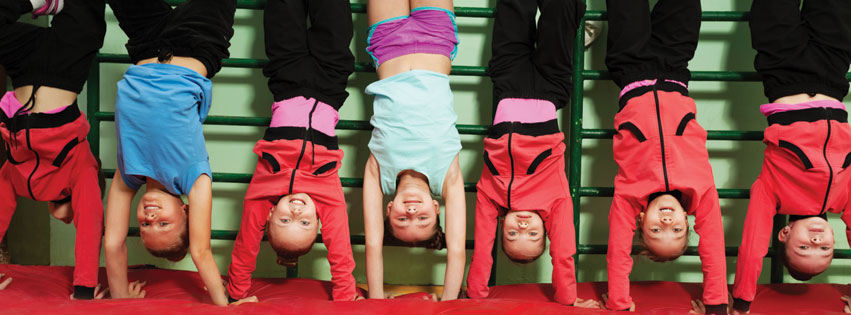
{"points": [[437, 240], [646, 251], [178, 250], [795, 273], [288, 257]]}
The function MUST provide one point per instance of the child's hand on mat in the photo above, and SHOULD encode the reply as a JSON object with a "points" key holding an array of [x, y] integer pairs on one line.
{"points": [[135, 289], [5, 282], [589, 303], [432, 297], [847, 300], [389, 296], [250, 299], [697, 307], [359, 297], [605, 298]]}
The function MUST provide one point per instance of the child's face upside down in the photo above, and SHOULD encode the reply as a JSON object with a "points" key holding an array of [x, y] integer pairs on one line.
{"points": [[523, 235], [664, 226], [293, 223], [809, 245], [413, 212], [162, 219]]}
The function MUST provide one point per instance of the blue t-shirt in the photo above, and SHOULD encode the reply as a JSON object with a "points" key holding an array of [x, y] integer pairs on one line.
{"points": [[158, 114], [414, 122]]}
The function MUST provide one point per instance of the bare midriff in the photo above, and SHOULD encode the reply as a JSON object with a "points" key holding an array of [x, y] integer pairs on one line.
{"points": [[186, 62], [46, 98], [803, 97], [416, 61]]}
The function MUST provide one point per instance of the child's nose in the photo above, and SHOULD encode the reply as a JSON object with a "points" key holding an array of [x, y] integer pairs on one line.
{"points": [[667, 220], [412, 210], [817, 239], [523, 224], [151, 215]]}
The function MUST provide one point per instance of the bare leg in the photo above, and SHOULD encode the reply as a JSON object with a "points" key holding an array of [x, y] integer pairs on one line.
{"points": [[443, 4], [380, 10]]}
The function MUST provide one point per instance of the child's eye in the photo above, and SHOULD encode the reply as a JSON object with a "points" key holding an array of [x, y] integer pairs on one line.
{"points": [[825, 248], [655, 230], [512, 233], [163, 223], [533, 233], [422, 218], [285, 220], [305, 222], [803, 247], [403, 219], [145, 224], [677, 230]]}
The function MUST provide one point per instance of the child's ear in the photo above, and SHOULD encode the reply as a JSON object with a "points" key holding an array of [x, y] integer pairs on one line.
{"points": [[640, 218], [389, 205], [784, 234], [185, 208], [436, 206]]}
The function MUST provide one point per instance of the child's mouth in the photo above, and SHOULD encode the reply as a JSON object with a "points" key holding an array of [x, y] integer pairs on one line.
{"points": [[151, 207], [412, 201], [296, 201], [666, 210]]}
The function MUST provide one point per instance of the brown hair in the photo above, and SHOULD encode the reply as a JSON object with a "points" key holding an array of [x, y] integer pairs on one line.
{"points": [[795, 273], [437, 241], [645, 250], [177, 251], [288, 257]]}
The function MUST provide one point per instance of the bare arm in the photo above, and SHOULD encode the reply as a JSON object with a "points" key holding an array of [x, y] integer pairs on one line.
{"points": [[200, 213], [373, 223], [456, 216], [115, 235]]}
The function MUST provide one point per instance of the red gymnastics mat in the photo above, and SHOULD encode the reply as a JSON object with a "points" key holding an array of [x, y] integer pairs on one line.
{"points": [[46, 290]]}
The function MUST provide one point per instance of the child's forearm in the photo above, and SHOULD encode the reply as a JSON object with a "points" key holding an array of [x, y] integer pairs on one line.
{"points": [[209, 272], [116, 270], [374, 271], [455, 259]]}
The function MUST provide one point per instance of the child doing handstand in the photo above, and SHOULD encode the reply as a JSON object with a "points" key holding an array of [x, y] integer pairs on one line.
{"points": [[663, 167], [295, 184], [43, 130], [162, 101], [414, 146], [803, 54], [524, 179]]}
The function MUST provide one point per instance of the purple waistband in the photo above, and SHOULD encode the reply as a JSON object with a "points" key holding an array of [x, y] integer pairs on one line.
{"points": [[524, 110], [427, 30], [638, 84], [773, 108], [295, 112]]}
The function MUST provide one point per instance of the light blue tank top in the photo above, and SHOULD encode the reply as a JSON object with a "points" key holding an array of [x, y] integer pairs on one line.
{"points": [[158, 114], [414, 123]]}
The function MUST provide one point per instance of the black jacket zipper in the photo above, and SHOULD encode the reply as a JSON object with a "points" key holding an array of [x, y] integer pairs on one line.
{"points": [[829, 168], [303, 146], [661, 139], [510, 158]]}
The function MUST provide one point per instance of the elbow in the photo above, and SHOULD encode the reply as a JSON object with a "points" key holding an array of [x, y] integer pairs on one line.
{"points": [[200, 252], [457, 254], [113, 246]]}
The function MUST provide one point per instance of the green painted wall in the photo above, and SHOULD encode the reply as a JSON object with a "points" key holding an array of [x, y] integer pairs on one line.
{"points": [[243, 92]]}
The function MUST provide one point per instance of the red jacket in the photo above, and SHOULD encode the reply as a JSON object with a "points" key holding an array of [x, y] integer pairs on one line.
{"points": [[288, 164], [49, 159], [659, 147], [525, 171], [804, 172]]}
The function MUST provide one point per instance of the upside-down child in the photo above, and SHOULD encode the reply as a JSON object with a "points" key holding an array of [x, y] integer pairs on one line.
{"points": [[660, 149], [524, 183], [162, 101], [414, 145], [803, 54], [295, 183], [43, 130]]}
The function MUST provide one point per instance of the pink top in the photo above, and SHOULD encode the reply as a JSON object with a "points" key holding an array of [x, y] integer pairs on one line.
{"points": [[773, 108], [524, 110], [10, 105], [638, 84], [295, 112]]}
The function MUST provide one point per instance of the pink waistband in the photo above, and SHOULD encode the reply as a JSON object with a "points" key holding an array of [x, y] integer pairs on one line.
{"points": [[638, 84], [773, 108], [10, 105], [295, 112], [524, 110]]}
